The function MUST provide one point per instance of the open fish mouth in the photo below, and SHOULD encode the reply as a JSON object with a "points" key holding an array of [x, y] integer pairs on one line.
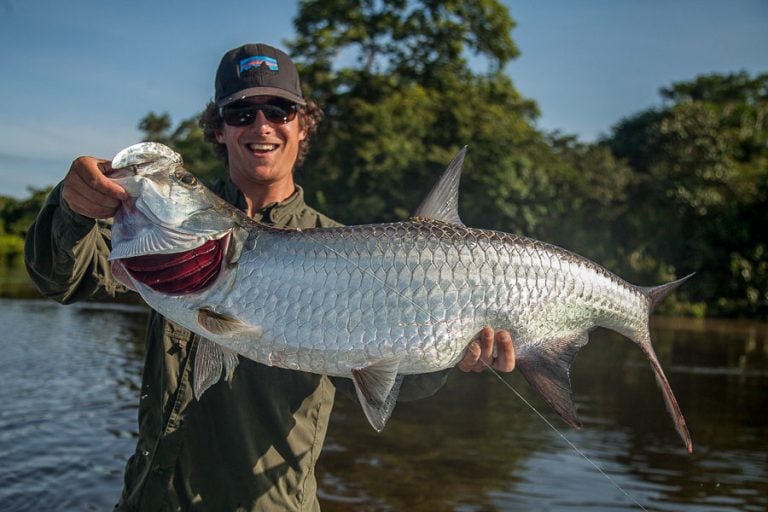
{"points": [[181, 272]]}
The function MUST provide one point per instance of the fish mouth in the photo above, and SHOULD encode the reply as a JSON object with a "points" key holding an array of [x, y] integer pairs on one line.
{"points": [[181, 272]]}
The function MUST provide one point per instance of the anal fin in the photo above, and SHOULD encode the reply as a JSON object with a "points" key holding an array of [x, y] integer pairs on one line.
{"points": [[377, 386], [546, 366]]}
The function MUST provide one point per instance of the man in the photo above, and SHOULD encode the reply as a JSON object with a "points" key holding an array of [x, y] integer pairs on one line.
{"points": [[252, 444]]}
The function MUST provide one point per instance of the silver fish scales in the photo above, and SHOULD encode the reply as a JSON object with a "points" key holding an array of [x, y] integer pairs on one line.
{"points": [[372, 302], [423, 287]]}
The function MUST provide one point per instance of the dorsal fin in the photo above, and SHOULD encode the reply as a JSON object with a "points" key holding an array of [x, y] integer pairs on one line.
{"points": [[442, 202]]}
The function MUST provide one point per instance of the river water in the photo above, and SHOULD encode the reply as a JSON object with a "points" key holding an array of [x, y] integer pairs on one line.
{"points": [[70, 382]]}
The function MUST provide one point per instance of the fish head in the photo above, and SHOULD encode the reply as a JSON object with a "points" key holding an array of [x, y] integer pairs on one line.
{"points": [[171, 225]]}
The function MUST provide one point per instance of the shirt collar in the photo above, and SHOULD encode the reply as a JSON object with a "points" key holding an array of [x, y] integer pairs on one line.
{"points": [[273, 213]]}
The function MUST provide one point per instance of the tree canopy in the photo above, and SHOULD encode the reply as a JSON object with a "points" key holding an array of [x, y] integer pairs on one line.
{"points": [[406, 84], [698, 194]]}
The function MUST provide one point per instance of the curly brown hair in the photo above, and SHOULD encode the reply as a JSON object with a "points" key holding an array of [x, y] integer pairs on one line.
{"points": [[211, 123]]}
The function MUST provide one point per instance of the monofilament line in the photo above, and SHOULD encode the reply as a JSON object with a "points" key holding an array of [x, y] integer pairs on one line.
{"points": [[562, 436]]}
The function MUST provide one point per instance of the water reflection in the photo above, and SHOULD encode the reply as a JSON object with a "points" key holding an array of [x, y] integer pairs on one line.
{"points": [[67, 423], [475, 446], [72, 374]]}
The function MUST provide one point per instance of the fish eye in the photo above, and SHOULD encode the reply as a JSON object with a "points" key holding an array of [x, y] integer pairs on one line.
{"points": [[185, 177]]}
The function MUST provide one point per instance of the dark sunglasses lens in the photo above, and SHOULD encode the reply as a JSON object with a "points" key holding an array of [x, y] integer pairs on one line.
{"points": [[284, 111], [238, 116], [274, 112]]}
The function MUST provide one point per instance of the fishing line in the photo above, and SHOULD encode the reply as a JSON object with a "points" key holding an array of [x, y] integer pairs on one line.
{"points": [[493, 371], [562, 436]]}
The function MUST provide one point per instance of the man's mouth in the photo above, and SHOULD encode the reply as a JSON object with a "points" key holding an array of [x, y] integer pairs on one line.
{"points": [[262, 147]]}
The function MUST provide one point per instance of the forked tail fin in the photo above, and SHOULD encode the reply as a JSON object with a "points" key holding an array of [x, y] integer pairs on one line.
{"points": [[546, 365], [669, 397], [656, 294]]}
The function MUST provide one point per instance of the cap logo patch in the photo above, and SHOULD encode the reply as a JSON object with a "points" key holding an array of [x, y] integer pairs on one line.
{"points": [[256, 61]]}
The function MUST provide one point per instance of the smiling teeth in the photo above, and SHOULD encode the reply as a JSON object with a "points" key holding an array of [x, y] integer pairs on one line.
{"points": [[262, 147]]}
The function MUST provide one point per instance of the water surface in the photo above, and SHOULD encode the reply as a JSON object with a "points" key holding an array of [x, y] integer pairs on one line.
{"points": [[68, 418], [71, 377]]}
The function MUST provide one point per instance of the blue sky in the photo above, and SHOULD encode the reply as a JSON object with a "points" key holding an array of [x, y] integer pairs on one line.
{"points": [[78, 75]]}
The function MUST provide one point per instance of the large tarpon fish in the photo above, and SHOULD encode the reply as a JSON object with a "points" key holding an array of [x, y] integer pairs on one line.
{"points": [[372, 302]]}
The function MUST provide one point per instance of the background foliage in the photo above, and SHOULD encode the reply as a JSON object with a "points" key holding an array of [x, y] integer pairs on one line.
{"points": [[405, 84]]}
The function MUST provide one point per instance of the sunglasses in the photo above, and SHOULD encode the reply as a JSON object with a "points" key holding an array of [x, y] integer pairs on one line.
{"points": [[275, 111]]}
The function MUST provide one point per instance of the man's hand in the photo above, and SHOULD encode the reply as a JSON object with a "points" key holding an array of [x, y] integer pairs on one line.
{"points": [[480, 352], [89, 192]]}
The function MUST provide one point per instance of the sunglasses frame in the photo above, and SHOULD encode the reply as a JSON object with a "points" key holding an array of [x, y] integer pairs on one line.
{"points": [[278, 111]]}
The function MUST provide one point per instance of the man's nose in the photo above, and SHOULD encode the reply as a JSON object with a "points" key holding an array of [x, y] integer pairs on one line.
{"points": [[261, 122]]}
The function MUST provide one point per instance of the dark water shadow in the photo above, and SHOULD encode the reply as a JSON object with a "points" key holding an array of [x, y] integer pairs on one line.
{"points": [[476, 446]]}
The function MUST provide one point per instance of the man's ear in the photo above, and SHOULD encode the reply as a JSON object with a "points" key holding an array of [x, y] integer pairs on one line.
{"points": [[219, 137]]}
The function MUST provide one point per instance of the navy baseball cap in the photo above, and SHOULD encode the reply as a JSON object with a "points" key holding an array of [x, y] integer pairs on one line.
{"points": [[257, 70]]}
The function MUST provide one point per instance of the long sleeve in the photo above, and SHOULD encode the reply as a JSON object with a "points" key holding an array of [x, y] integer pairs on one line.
{"points": [[67, 255]]}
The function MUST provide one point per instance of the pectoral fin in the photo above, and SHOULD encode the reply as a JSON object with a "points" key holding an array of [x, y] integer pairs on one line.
{"points": [[377, 386], [546, 366], [211, 360], [222, 324]]}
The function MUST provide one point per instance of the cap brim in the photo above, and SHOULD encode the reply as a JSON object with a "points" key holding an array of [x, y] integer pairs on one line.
{"points": [[261, 91]]}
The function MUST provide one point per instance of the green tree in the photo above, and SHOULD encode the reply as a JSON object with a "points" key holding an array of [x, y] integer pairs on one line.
{"points": [[404, 99], [187, 139], [589, 202], [406, 84], [698, 197], [16, 215]]}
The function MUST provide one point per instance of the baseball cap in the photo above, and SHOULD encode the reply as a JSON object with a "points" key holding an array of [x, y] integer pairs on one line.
{"points": [[257, 70]]}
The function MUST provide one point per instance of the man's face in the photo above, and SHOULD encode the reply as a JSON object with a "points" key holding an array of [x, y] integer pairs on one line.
{"points": [[264, 152]]}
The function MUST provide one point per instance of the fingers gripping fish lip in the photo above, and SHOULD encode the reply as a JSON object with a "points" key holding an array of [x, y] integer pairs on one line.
{"points": [[143, 153], [179, 273]]}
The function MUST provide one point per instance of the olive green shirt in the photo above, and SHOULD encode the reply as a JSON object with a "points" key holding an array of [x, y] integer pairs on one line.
{"points": [[248, 444]]}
